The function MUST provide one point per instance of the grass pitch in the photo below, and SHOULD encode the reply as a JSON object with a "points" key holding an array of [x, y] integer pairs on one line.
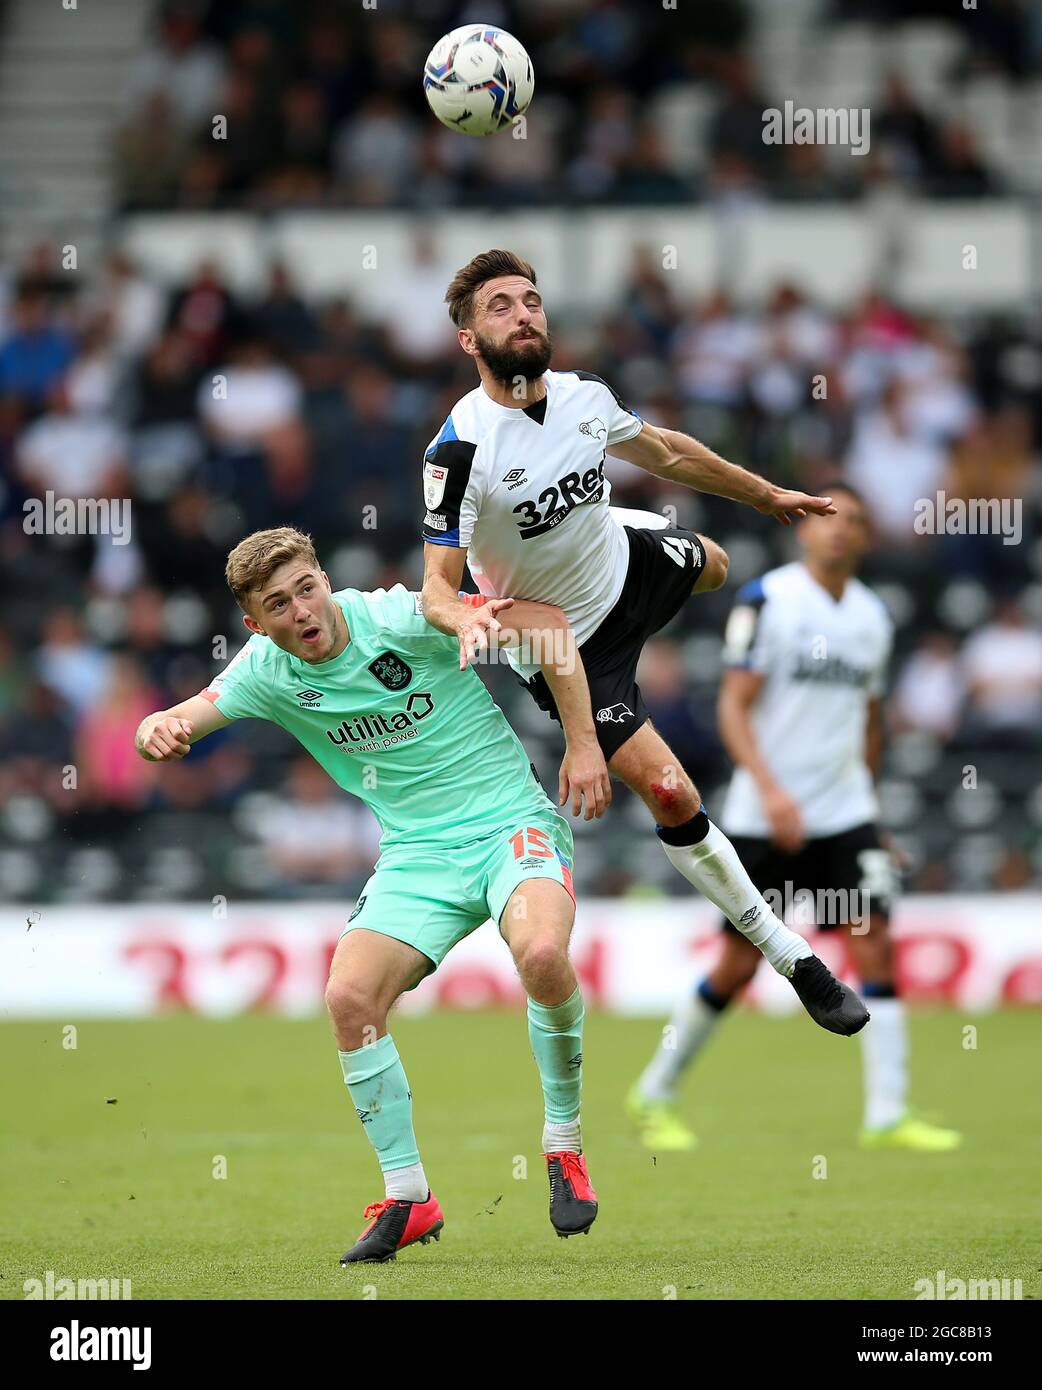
{"points": [[109, 1152]]}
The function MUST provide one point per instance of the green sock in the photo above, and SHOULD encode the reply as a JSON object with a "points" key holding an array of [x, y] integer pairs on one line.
{"points": [[556, 1034], [377, 1082]]}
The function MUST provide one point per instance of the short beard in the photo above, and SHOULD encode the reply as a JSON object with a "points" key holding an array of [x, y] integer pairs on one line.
{"points": [[507, 363]]}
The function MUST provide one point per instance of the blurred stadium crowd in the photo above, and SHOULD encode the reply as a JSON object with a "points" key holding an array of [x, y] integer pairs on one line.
{"points": [[107, 389], [637, 104]]}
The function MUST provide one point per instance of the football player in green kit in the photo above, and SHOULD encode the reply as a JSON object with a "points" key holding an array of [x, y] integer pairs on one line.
{"points": [[382, 701]]}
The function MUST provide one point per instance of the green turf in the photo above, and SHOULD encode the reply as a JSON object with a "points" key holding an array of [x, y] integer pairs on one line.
{"points": [[92, 1189]]}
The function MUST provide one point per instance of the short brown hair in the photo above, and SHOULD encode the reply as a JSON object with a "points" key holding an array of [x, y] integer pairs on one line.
{"points": [[255, 559], [490, 265]]}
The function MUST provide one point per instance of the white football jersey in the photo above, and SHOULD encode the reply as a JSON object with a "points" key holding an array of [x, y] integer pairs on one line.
{"points": [[823, 661], [524, 492]]}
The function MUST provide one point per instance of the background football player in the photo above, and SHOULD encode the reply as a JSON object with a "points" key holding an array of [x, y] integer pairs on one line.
{"points": [[801, 714]]}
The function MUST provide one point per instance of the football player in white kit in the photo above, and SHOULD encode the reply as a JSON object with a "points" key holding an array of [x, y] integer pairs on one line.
{"points": [[800, 713], [514, 482]]}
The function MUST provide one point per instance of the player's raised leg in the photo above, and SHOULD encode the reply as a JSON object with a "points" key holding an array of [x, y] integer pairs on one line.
{"points": [[888, 1124], [707, 859], [536, 924], [651, 1102], [367, 974]]}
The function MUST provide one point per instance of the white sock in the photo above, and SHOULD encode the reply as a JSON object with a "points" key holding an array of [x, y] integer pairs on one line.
{"points": [[690, 1027], [407, 1184], [713, 866], [562, 1138], [884, 1053]]}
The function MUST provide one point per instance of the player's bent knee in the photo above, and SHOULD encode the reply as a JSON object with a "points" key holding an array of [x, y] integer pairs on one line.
{"points": [[674, 800], [714, 572], [351, 1005], [541, 957]]}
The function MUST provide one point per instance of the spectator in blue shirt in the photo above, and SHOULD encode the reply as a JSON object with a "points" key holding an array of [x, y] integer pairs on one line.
{"points": [[35, 354]]}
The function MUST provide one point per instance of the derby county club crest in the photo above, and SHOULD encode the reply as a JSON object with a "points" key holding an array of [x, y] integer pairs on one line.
{"points": [[391, 670]]}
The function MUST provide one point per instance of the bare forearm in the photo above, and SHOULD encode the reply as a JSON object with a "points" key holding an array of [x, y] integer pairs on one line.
{"points": [[739, 739], [566, 676], [695, 465], [441, 605], [171, 732]]}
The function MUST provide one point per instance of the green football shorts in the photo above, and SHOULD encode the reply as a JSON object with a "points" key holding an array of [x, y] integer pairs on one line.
{"points": [[431, 899]]}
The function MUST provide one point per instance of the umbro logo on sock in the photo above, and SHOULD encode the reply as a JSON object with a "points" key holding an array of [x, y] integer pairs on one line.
{"points": [[363, 1115], [576, 1062]]}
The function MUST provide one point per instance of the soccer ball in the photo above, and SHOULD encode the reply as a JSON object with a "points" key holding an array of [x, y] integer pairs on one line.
{"points": [[477, 79]]}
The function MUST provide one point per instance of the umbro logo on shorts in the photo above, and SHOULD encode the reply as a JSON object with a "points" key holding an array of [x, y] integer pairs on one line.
{"points": [[679, 549], [309, 698], [614, 714]]}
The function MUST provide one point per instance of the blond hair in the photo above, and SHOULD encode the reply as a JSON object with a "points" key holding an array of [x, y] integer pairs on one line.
{"points": [[255, 559]]}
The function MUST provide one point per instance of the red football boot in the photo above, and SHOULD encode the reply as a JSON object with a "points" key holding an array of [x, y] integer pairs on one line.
{"points": [[394, 1224], [573, 1202]]}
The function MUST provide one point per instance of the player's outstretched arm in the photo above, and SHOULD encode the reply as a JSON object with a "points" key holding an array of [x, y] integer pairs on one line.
{"points": [[444, 609], [547, 637], [681, 459], [169, 734]]}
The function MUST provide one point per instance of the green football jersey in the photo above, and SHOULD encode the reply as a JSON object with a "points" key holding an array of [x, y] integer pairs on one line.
{"points": [[394, 721]]}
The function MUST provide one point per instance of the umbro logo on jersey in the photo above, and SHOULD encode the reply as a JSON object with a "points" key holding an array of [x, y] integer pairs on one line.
{"points": [[309, 698], [680, 549], [391, 671], [614, 714], [515, 478], [595, 428]]}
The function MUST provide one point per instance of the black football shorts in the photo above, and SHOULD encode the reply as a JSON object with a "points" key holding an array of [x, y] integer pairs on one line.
{"points": [[664, 566], [848, 875]]}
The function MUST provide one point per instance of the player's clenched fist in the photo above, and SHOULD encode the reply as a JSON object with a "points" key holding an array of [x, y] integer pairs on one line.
{"points": [[166, 740]]}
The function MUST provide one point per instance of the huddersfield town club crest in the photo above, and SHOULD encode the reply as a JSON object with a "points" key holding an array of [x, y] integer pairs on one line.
{"points": [[391, 670]]}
